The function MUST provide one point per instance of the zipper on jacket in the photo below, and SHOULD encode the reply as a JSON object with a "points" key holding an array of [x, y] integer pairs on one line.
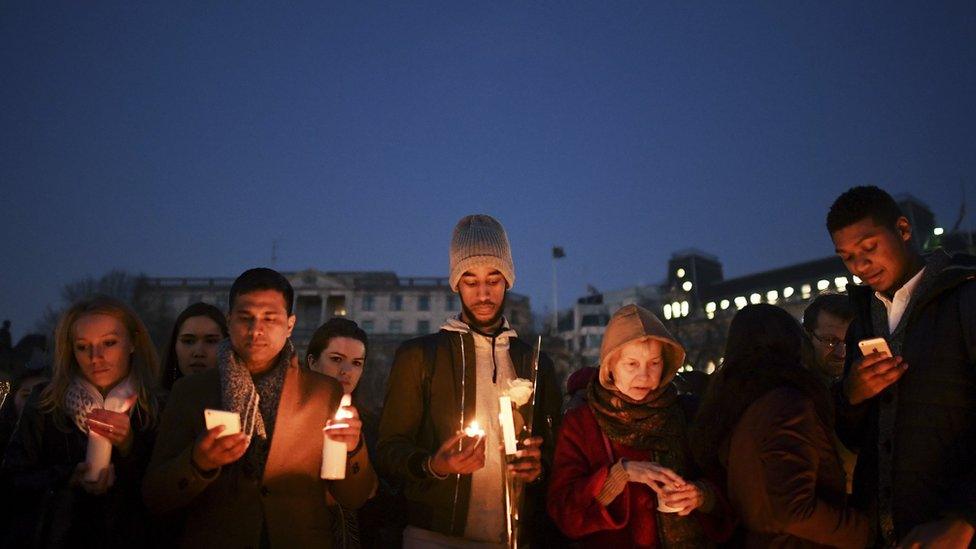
{"points": [[457, 484]]}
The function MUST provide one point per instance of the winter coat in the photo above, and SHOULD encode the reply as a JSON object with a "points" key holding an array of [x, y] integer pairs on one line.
{"points": [[582, 465], [431, 387], [785, 478], [38, 464], [932, 447], [287, 505]]}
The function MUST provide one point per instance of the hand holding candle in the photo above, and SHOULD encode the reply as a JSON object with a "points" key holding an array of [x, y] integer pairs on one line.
{"points": [[341, 436], [464, 453], [106, 428]]}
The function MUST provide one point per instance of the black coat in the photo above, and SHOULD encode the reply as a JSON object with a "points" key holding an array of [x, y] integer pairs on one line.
{"points": [[933, 451], [38, 464]]}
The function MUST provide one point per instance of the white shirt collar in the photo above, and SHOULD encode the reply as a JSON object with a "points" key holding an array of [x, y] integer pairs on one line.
{"points": [[899, 302]]}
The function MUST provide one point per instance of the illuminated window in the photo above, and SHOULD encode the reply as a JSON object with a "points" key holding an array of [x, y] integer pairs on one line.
{"points": [[686, 286], [938, 231], [772, 296], [755, 299], [710, 368], [724, 304], [667, 311], [823, 285], [805, 291], [841, 283], [710, 315], [676, 309], [684, 308], [680, 273], [857, 279], [710, 307], [741, 302], [787, 292]]}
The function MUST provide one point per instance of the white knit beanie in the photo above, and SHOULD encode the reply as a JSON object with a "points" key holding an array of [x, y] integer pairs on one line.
{"points": [[480, 240]]}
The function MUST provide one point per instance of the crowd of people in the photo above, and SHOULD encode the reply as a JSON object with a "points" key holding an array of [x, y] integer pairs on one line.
{"points": [[806, 436]]}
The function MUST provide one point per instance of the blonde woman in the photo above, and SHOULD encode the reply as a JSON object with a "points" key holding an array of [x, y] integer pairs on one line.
{"points": [[103, 359]]}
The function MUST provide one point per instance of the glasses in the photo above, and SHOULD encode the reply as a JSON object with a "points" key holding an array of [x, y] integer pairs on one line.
{"points": [[831, 343]]}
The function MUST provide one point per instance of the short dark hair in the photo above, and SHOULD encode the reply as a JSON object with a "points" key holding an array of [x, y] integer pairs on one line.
{"points": [[835, 304], [858, 203], [334, 327], [262, 278]]}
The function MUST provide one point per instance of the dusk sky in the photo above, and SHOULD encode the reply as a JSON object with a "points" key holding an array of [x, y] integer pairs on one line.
{"points": [[182, 139]]}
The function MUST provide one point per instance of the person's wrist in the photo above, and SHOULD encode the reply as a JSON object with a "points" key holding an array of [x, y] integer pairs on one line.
{"points": [[359, 446], [429, 467]]}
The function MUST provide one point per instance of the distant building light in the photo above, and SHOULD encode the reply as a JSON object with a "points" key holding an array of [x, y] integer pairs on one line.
{"points": [[772, 296], [841, 283], [710, 368], [710, 315], [687, 286], [857, 279], [667, 311], [787, 292], [938, 231], [755, 299], [684, 308], [823, 285], [676, 310], [724, 304], [710, 307], [741, 302], [805, 291], [680, 273]]}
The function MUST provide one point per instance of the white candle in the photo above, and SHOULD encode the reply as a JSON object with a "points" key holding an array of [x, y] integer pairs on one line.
{"points": [[507, 423], [99, 448], [333, 451]]}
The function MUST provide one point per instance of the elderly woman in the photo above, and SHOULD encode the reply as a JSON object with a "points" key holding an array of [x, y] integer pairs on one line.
{"points": [[623, 474], [766, 426], [103, 357]]}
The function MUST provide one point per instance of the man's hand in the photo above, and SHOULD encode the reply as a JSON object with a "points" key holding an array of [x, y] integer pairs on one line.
{"points": [[659, 478], [871, 375], [947, 534], [212, 450], [347, 430], [527, 465], [450, 460]]}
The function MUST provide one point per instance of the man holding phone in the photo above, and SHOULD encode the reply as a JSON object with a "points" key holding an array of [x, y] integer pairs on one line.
{"points": [[910, 409], [259, 487]]}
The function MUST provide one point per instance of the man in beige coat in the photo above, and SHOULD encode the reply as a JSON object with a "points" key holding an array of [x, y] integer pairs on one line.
{"points": [[261, 487]]}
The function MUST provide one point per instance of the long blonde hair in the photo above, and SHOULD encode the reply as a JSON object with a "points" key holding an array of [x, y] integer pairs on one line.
{"points": [[143, 365]]}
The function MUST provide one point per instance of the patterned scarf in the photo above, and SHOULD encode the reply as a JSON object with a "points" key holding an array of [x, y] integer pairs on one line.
{"points": [[656, 424], [237, 390], [82, 397]]}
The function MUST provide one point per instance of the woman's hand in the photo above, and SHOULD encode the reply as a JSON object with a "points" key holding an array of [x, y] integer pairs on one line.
{"points": [[658, 477], [347, 430], [113, 426], [691, 496], [96, 487]]}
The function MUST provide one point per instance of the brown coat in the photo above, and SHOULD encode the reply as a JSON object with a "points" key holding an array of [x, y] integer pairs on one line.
{"points": [[785, 479], [228, 509]]}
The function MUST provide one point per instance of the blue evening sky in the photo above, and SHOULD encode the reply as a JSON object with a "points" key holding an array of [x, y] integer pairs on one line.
{"points": [[182, 138]]}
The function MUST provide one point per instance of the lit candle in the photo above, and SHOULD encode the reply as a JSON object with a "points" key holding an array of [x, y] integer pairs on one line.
{"points": [[99, 448], [474, 430], [333, 451], [507, 422]]}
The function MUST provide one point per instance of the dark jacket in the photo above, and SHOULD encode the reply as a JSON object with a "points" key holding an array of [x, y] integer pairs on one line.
{"points": [[429, 381], [786, 479], [287, 505], [38, 464], [932, 447]]}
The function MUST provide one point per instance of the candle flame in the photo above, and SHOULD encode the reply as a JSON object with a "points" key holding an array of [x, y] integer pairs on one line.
{"points": [[474, 430]]}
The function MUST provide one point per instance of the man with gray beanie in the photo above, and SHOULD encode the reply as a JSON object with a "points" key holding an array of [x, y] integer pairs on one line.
{"points": [[441, 383]]}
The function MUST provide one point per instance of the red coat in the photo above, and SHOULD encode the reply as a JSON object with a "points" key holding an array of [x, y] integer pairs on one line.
{"points": [[579, 470]]}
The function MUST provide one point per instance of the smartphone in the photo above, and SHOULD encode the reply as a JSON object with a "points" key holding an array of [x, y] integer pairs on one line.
{"points": [[230, 420], [876, 345]]}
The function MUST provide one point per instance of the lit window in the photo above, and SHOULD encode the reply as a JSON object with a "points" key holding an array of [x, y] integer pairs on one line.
{"points": [[724, 304], [755, 299], [687, 286], [823, 285], [667, 311], [680, 273], [841, 283], [741, 302], [805, 291], [710, 307], [684, 308], [772, 296], [710, 315], [857, 279], [676, 309], [938, 231], [710, 368], [787, 292]]}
